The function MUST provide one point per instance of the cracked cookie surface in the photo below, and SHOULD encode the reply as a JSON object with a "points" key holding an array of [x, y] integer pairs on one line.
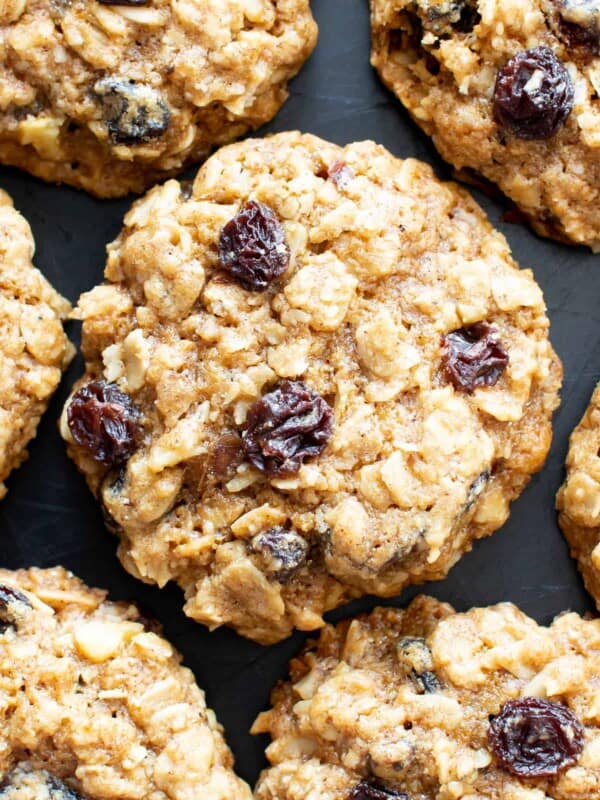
{"points": [[531, 128], [348, 426], [113, 96], [410, 704], [33, 346], [95, 704], [578, 500]]}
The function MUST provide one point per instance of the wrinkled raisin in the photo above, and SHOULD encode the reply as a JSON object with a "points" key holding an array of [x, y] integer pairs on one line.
{"points": [[534, 738], [104, 421], [252, 247], [369, 791], [134, 113], [446, 16], [282, 552], [286, 426], [415, 659], [533, 95], [473, 357], [13, 606]]}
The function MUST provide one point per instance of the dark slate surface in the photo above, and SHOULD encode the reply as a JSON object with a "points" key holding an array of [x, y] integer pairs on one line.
{"points": [[49, 517]]}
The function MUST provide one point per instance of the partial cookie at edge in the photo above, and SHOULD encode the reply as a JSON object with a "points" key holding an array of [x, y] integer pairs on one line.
{"points": [[96, 704], [33, 346]]}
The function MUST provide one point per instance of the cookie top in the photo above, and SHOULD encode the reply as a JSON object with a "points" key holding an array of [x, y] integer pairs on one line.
{"points": [[33, 347], [114, 95], [95, 703], [578, 500], [325, 375], [509, 91], [427, 703]]}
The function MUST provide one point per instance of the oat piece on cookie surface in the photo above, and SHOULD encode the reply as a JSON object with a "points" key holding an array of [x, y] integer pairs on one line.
{"points": [[114, 95], [578, 500], [96, 705], [508, 89], [33, 346], [425, 704], [317, 373]]}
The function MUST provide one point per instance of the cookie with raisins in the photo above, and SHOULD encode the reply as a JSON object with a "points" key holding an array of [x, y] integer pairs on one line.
{"points": [[34, 349], [95, 702], [424, 702], [318, 374], [509, 93], [578, 500], [113, 96]]}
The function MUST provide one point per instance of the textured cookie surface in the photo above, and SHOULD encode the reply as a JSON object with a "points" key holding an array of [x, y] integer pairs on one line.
{"points": [[96, 705], [536, 134], [114, 96], [578, 500], [427, 704], [350, 428], [33, 346]]}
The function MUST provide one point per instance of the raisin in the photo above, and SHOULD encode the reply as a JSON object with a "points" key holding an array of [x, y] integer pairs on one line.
{"points": [[282, 552], [473, 357], [252, 247], [533, 95], [370, 791], [579, 24], [134, 113], [476, 489], [446, 16], [414, 658], [286, 426], [227, 454], [14, 605], [339, 173], [534, 738], [104, 421]]}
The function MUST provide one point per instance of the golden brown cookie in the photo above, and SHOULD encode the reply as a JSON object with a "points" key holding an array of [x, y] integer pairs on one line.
{"points": [[114, 95], [317, 373], [33, 347], [428, 704], [95, 703], [508, 90], [578, 500]]}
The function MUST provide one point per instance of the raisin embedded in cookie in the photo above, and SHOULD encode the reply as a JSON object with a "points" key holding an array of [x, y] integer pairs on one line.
{"points": [[428, 703], [508, 91], [318, 374], [113, 96], [578, 500], [33, 347], [95, 703]]}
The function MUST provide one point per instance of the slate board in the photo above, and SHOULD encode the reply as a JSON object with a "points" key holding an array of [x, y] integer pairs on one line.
{"points": [[49, 516]]}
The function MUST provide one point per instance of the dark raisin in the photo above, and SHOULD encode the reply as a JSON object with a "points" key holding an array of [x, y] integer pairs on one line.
{"points": [[282, 552], [227, 455], [14, 605], [286, 426], [369, 791], [473, 357], [579, 24], [134, 113], [252, 247], [415, 660], [104, 421], [340, 173], [446, 16], [534, 738], [533, 95]]}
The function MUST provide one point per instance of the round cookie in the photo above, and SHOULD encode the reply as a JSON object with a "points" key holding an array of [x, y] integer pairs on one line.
{"points": [[95, 703], [509, 91], [578, 499], [33, 347], [316, 373], [114, 95], [425, 703]]}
